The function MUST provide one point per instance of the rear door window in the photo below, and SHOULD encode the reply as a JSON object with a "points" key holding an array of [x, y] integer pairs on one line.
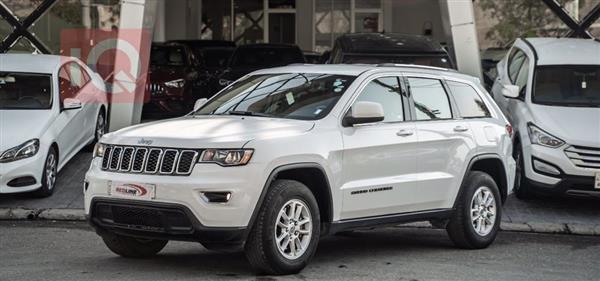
{"points": [[429, 98]]}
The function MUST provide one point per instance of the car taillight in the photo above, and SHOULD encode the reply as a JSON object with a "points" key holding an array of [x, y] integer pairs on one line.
{"points": [[509, 130]]}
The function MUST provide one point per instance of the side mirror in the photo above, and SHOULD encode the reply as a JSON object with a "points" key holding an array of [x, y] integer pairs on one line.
{"points": [[70, 104], [199, 103], [510, 91], [363, 112]]}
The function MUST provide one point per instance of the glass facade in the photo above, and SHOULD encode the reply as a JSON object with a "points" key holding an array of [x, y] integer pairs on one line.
{"points": [[63, 15]]}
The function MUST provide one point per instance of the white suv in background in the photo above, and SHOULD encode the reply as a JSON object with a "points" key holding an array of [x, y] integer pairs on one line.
{"points": [[50, 108], [286, 155], [549, 88]]}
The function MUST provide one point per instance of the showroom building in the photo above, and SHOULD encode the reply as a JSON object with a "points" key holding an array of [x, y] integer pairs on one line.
{"points": [[124, 29]]}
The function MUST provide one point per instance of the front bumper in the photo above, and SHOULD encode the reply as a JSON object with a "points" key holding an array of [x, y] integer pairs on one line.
{"points": [[29, 169], [245, 183], [571, 180], [161, 221]]}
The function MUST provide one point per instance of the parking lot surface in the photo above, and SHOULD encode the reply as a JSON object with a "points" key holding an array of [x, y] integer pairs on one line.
{"points": [[71, 251]]}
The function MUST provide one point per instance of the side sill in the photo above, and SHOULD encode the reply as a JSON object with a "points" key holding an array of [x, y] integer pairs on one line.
{"points": [[377, 221]]}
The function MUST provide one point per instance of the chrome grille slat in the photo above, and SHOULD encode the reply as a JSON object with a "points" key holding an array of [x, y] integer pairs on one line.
{"points": [[584, 157], [149, 160]]}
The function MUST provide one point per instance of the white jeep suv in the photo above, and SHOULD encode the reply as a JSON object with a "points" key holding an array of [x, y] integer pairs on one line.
{"points": [[286, 155], [549, 89]]}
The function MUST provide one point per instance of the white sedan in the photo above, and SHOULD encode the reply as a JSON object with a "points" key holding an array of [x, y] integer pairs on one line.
{"points": [[50, 108]]}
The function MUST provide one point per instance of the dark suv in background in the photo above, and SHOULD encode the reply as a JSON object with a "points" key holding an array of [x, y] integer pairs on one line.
{"points": [[248, 58], [174, 79], [378, 48]]}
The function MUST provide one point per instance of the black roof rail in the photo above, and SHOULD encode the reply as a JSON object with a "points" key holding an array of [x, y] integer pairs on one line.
{"points": [[415, 66]]}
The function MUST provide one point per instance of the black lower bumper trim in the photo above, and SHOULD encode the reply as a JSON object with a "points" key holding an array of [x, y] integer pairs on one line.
{"points": [[580, 186], [160, 221]]}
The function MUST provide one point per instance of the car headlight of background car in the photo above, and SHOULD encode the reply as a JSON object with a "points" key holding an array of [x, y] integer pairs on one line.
{"points": [[99, 149], [178, 83], [227, 157], [25, 150], [538, 136]]}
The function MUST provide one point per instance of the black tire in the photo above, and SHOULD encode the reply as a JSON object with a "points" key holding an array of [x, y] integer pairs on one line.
{"points": [[100, 128], [129, 247], [460, 228], [49, 175], [521, 187], [261, 249]]}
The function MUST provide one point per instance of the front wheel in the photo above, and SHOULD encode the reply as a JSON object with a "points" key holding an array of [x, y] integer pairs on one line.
{"points": [[286, 232], [100, 126], [476, 221], [48, 175], [129, 247]]}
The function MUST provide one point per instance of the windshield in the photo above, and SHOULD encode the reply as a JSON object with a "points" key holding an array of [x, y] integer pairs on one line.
{"points": [[167, 55], [25, 91], [437, 61], [217, 57], [304, 96], [567, 85], [266, 57]]}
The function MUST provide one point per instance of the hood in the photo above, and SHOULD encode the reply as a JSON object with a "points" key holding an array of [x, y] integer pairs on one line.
{"points": [[166, 73], [19, 126], [575, 125], [207, 131]]}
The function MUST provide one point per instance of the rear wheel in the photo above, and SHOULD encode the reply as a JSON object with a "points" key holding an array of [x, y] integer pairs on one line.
{"points": [[131, 247], [49, 175], [287, 229], [476, 221]]}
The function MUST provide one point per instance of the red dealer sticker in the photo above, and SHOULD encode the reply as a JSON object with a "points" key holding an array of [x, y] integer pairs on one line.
{"points": [[120, 57], [132, 190]]}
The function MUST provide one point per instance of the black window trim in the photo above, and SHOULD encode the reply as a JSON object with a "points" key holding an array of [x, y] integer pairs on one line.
{"points": [[454, 114]]}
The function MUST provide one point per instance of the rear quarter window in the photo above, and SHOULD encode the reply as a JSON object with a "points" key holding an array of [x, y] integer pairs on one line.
{"points": [[470, 104]]}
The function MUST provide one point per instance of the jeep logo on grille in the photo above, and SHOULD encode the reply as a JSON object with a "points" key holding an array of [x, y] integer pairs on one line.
{"points": [[145, 141], [131, 190]]}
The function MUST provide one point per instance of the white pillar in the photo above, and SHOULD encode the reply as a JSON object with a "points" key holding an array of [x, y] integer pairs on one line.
{"points": [[460, 16], [135, 29]]}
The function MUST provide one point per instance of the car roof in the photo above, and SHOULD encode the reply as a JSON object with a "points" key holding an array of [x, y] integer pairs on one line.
{"points": [[552, 51], [388, 43], [35, 63], [358, 69]]}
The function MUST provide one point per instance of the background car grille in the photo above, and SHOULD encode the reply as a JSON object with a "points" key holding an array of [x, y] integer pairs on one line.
{"points": [[146, 160], [584, 157]]}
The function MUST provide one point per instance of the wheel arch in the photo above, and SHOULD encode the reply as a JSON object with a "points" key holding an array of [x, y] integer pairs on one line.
{"points": [[491, 164], [314, 176]]}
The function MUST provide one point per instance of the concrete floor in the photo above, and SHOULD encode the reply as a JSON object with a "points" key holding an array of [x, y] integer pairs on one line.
{"points": [[71, 251]]}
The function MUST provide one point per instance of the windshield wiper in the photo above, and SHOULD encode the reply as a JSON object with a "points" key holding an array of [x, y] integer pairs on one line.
{"points": [[248, 113]]}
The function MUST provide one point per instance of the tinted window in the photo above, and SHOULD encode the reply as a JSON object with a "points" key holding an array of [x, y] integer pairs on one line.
{"points": [[567, 85], [514, 64], [266, 57], [306, 96], [523, 75], [168, 55], [430, 99], [217, 57], [385, 91], [468, 100], [25, 91]]}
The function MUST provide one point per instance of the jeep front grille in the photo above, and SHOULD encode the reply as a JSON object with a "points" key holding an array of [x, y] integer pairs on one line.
{"points": [[584, 157], [149, 160]]}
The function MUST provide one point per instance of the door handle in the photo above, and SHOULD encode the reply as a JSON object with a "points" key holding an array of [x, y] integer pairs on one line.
{"points": [[404, 133], [460, 129]]}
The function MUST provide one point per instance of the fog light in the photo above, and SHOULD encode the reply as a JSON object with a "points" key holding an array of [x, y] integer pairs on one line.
{"points": [[216, 197], [545, 168]]}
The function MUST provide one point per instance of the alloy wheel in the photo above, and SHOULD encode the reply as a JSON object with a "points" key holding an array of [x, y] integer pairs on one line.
{"points": [[483, 211], [51, 171], [293, 229], [100, 124]]}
